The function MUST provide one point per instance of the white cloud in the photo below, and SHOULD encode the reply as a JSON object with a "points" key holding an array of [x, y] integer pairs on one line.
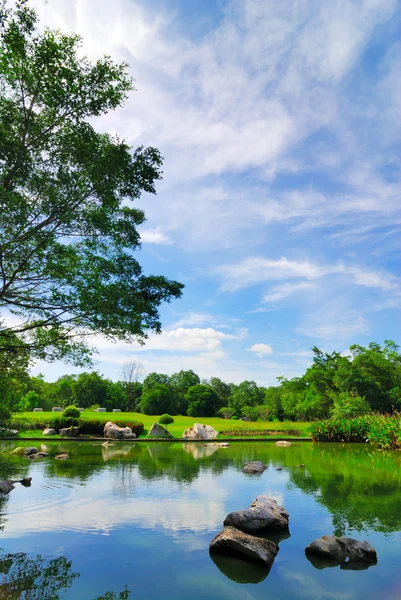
{"points": [[193, 319], [155, 236], [280, 292], [261, 349]]}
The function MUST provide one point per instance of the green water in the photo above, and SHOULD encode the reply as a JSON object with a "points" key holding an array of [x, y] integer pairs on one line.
{"points": [[135, 520]]}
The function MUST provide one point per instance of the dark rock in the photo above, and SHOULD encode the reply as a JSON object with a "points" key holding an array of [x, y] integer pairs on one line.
{"points": [[239, 570], [279, 469], [302, 465], [30, 450], [69, 432], [342, 550], [233, 541], [255, 466], [264, 514], [41, 455], [6, 486]]}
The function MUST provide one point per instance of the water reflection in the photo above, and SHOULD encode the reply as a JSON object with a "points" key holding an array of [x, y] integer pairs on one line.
{"points": [[325, 563], [238, 570]]}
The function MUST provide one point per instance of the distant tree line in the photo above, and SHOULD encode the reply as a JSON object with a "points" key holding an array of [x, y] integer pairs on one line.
{"points": [[367, 379]]}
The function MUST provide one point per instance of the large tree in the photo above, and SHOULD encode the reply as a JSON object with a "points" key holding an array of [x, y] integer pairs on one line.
{"points": [[68, 227]]}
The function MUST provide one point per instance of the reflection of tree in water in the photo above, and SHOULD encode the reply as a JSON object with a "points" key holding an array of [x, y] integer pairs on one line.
{"points": [[24, 577], [38, 578]]}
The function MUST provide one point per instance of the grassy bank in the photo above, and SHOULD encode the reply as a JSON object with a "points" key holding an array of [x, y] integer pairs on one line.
{"points": [[383, 431], [31, 424]]}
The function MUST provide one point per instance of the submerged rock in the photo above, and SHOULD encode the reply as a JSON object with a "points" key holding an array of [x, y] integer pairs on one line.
{"points": [[255, 466], [200, 432], [6, 486], [342, 549], [158, 431], [264, 514], [113, 431], [61, 457], [232, 541]]}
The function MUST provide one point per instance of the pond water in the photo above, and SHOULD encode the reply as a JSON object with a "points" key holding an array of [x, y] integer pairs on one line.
{"points": [[134, 521]]}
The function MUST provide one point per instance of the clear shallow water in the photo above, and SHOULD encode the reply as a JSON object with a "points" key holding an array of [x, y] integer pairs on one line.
{"points": [[141, 516]]}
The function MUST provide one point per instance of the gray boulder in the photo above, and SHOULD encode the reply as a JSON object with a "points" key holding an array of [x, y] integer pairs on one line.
{"points": [[57, 409], [263, 515], [158, 431], [342, 549], [69, 432], [233, 541], [200, 432], [49, 431], [31, 450], [255, 466], [113, 431]]}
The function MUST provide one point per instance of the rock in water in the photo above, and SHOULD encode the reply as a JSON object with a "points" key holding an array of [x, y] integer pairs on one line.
{"points": [[232, 541], [255, 466], [30, 450], [18, 451], [200, 432], [8, 485], [113, 431], [264, 514], [283, 443], [158, 431], [342, 549], [61, 457], [49, 431]]}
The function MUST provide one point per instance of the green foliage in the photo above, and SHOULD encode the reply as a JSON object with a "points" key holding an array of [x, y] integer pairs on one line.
{"points": [[246, 393], [378, 429], [68, 226], [181, 382], [29, 401], [71, 412], [166, 420], [156, 400], [202, 401], [250, 413], [87, 426], [348, 404], [225, 412]]}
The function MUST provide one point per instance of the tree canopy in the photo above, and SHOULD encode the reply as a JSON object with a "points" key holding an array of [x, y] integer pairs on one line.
{"points": [[68, 227]]}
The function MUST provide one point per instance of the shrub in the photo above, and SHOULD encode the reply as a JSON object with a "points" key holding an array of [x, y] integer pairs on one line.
{"points": [[348, 404], [234, 418], [226, 412], [250, 413], [71, 412], [166, 420]]}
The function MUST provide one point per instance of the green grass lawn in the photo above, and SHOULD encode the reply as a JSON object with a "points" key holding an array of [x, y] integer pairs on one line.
{"points": [[233, 428]]}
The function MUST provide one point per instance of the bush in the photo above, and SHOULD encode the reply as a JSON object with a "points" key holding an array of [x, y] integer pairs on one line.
{"points": [[166, 420], [226, 412], [250, 413], [86, 426], [234, 418], [348, 404], [71, 412]]}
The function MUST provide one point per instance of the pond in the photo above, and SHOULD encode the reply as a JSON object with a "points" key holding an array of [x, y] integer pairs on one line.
{"points": [[135, 520]]}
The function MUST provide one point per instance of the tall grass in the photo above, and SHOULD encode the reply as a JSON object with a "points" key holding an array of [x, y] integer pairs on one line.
{"points": [[381, 430]]}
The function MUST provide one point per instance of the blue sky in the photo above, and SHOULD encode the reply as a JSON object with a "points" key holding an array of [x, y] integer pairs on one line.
{"points": [[280, 208]]}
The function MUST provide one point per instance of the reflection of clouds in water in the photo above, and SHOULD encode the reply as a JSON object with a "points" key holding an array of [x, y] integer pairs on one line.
{"points": [[308, 587], [93, 509], [217, 587]]}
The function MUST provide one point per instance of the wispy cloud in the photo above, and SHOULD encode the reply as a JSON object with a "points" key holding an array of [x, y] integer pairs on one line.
{"points": [[261, 350]]}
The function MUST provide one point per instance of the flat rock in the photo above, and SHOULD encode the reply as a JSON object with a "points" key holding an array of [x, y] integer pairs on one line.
{"points": [[6, 486], [61, 457], [283, 443], [200, 432], [264, 514], [232, 541], [49, 431], [342, 549], [113, 431], [255, 466], [158, 431], [69, 432]]}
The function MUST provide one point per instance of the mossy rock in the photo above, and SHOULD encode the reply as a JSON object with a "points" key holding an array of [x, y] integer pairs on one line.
{"points": [[19, 451]]}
